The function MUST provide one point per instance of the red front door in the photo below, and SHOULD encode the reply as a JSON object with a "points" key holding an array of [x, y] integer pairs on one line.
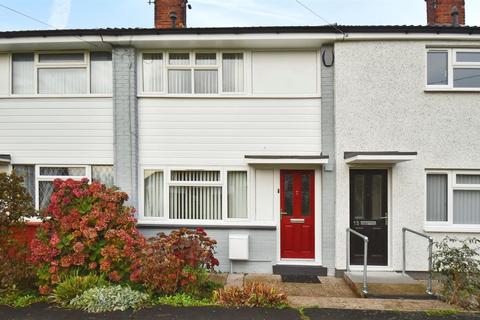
{"points": [[297, 231]]}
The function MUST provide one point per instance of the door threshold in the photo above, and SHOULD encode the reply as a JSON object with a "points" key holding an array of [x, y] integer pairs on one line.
{"points": [[294, 262], [372, 268]]}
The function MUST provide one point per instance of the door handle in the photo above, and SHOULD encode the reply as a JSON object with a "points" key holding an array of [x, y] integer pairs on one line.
{"points": [[283, 212], [297, 220]]}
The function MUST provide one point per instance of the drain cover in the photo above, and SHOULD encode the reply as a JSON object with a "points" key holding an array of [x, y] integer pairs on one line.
{"points": [[300, 279]]}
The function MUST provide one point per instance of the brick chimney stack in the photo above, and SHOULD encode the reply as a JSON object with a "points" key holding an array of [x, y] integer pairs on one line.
{"points": [[446, 12], [170, 14]]}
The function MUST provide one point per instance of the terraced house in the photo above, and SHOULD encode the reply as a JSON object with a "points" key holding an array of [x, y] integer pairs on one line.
{"points": [[280, 141]]}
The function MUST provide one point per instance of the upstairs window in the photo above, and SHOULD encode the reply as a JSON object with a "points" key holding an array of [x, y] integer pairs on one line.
{"points": [[62, 73], [186, 73], [453, 69]]}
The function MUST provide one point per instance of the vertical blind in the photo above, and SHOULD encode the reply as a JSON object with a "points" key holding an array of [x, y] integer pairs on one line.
{"points": [[23, 73], [206, 81], [153, 186], [101, 73], [466, 206], [179, 81], [468, 179], [196, 202], [103, 174], [206, 59], [152, 72], [27, 172], [62, 80], [232, 72], [437, 198], [204, 175], [237, 195]]}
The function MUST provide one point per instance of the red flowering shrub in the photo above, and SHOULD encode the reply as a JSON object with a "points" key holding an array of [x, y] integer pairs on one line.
{"points": [[171, 262], [15, 205], [86, 227]]}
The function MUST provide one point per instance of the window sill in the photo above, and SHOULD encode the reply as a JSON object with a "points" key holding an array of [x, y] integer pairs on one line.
{"points": [[50, 96], [230, 96], [459, 228], [452, 90], [218, 224]]}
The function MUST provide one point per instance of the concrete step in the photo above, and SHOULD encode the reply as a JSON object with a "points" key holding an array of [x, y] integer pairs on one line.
{"points": [[387, 285]]}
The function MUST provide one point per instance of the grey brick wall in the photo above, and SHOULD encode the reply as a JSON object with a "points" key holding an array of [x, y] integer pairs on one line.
{"points": [[328, 177], [125, 123], [262, 248]]}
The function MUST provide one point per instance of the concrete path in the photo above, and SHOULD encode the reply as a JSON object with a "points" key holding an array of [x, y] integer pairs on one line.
{"points": [[368, 304]]}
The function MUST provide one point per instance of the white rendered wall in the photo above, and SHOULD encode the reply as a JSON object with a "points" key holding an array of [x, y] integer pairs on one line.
{"points": [[381, 105]]}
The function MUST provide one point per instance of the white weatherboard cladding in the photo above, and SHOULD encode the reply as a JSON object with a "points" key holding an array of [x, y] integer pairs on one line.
{"points": [[207, 132], [285, 72], [381, 105], [264, 195], [4, 74], [57, 130]]}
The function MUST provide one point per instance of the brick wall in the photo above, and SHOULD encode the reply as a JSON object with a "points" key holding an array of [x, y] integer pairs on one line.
{"points": [[440, 11], [163, 11]]}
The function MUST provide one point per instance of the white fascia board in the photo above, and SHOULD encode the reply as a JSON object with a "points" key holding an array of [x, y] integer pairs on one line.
{"points": [[287, 161], [366, 159], [261, 40]]}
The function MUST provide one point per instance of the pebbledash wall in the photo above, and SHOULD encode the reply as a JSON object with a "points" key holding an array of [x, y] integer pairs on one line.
{"points": [[381, 104]]}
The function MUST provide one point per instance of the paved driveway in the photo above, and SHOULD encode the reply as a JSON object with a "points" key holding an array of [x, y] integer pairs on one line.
{"points": [[46, 312]]}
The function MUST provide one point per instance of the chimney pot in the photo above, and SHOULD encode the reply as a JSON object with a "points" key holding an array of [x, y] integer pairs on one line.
{"points": [[170, 14], [446, 12]]}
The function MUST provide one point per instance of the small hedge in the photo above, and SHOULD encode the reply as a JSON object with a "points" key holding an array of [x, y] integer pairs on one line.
{"points": [[252, 295], [110, 298]]}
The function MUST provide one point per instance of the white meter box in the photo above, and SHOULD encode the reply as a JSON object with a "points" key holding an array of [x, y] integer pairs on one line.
{"points": [[238, 246]]}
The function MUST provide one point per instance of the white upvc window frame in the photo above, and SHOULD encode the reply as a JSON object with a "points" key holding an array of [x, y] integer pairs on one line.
{"points": [[452, 185], [85, 64], [168, 182], [452, 64], [192, 67], [39, 178]]}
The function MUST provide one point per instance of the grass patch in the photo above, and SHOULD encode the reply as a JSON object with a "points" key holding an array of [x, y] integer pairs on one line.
{"points": [[441, 312], [184, 300], [20, 299]]}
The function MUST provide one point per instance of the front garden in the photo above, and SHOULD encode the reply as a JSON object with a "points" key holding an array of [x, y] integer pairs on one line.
{"points": [[87, 254]]}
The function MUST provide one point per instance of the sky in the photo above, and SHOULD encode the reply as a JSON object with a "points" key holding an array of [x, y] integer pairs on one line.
{"points": [[69, 14]]}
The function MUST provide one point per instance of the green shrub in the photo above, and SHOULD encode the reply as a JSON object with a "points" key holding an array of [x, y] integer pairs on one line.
{"points": [[76, 285], [184, 300], [201, 287], [459, 264], [111, 298], [251, 295], [19, 299]]}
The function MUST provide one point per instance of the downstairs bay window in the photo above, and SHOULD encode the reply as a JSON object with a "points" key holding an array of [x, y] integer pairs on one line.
{"points": [[453, 200], [195, 195]]}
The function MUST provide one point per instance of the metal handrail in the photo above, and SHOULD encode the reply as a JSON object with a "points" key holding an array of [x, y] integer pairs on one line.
{"points": [[430, 260], [365, 255]]}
